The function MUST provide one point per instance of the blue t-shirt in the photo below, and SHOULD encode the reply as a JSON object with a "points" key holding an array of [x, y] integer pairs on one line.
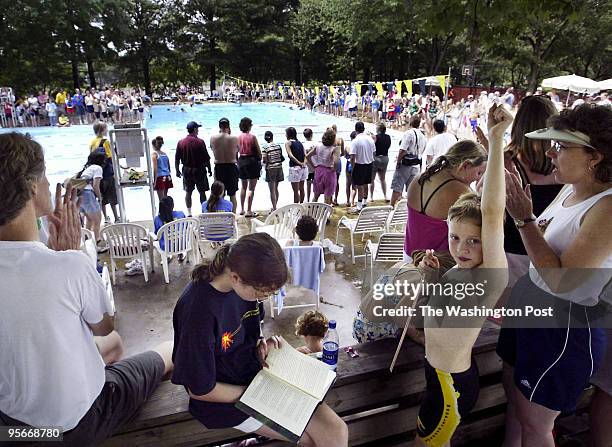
{"points": [[215, 336], [77, 100], [222, 206], [158, 223]]}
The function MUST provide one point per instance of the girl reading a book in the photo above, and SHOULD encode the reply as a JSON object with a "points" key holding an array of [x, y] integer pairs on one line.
{"points": [[476, 243], [218, 344]]}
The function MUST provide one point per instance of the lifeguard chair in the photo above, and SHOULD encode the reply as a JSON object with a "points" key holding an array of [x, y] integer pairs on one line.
{"points": [[130, 144]]}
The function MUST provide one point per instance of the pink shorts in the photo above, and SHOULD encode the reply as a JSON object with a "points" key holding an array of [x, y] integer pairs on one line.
{"points": [[325, 181]]}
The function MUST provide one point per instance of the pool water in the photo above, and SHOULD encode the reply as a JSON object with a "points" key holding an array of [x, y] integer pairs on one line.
{"points": [[67, 148]]}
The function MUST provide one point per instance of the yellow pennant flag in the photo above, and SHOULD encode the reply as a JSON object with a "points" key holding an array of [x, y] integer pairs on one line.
{"points": [[398, 87], [381, 90], [442, 79], [408, 84], [317, 90], [332, 90], [358, 89], [303, 91]]}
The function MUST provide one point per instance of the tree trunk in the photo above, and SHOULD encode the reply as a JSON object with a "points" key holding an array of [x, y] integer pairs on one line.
{"points": [[533, 75], [75, 72], [146, 73], [475, 37], [90, 71]]}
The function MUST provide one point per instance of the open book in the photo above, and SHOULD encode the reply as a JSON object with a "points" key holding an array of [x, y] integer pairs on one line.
{"points": [[285, 395]]}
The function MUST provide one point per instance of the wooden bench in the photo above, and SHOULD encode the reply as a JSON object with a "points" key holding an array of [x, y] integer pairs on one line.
{"points": [[375, 403]]}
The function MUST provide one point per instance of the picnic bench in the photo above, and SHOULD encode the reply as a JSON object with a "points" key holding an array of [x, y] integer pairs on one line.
{"points": [[377, 405]]}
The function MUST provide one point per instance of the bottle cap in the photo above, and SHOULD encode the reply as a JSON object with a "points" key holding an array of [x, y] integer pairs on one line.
{"points": [[332, 324]]}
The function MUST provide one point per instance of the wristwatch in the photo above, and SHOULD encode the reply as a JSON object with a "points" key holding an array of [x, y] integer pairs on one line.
{"points": [[520, 223]]}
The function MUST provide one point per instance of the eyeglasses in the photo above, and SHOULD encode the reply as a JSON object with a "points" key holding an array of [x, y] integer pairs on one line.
{"points": [[558, 147]]}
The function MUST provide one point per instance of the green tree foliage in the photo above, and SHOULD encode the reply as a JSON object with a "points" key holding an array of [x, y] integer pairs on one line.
{"points": [[157, 43]]}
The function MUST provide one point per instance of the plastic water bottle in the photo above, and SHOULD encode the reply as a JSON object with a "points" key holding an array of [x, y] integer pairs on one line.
{"points": [[331, 346]]}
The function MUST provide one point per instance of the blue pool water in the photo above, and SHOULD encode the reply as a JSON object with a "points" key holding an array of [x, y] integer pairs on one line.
{"points": [[66, 149]]}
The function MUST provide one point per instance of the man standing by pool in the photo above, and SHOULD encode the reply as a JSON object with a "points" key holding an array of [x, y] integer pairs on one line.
{"points": [[362, 157], [191, 150], [225, 150]]}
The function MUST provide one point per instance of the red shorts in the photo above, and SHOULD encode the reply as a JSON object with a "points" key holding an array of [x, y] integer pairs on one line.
{"points": [[163, 182]]}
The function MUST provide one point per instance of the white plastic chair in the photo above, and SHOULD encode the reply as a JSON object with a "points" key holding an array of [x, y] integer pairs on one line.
{"points": [[280, 224], [127, 240], [108, 286], [88, 245], [294, 255], [180, 238], [218, 227], [398, 217], [372, 219], [320, 212], [390, 248]]}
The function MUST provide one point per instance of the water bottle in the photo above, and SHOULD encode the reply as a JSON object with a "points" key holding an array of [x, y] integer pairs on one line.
{"points": [[331, 346]]}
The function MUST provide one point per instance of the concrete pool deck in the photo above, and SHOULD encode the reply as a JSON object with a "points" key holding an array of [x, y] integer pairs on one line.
{"points": [[144, 310]]}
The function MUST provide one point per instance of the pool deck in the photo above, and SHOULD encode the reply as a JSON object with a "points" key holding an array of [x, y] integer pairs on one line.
{"points": [[144, 310]]}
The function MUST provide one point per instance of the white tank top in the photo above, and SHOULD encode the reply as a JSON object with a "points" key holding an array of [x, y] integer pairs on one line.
{"points": [[563, 226]]}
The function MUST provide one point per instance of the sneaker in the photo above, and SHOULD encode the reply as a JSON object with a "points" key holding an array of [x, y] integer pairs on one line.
{"points": [[102, 248], [135, 270], [107, 220], [133, 263]]}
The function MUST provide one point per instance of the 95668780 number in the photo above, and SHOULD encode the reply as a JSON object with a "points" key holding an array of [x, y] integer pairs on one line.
{"points": [[13, 434]]}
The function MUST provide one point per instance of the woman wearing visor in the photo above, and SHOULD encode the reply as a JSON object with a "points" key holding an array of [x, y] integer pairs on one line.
{"points": [[570, 249]]}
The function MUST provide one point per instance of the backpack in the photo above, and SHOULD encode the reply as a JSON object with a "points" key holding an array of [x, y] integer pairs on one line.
{"points": [[107, 169]]}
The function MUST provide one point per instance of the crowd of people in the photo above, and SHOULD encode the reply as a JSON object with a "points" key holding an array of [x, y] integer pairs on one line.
{"points": [[63, 108], [515, 212]]}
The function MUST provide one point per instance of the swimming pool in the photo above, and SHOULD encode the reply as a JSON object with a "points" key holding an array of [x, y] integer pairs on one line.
{"points": [[66, 148]]}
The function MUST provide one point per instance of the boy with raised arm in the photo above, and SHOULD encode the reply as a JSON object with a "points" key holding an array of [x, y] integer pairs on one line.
{"points": [[476, 242]]}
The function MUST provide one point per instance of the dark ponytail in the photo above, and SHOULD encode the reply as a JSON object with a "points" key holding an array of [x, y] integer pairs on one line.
{"points": [[217, 191], [245, 258], [438, 165], [206, 272], [463, 150], [166, 207]]}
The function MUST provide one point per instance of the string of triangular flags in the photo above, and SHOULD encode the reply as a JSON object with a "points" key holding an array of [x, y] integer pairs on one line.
{"points": [[443, 82]]}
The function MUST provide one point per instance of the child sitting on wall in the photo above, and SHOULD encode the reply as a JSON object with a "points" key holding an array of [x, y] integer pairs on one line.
{"points": [[312, 326]]}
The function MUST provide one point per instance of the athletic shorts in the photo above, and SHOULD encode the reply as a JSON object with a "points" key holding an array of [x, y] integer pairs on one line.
{"points": [[109, 193], [89, 202], [227, 173], [81, 110], [275, 174], [380, 164], [163, 182], [90, 109], [297, 174], [603, 377], [552, 366], [362, 174], [128, 384], [448, 398], [325, 181], [195, 178], [402, 177], [249, 168]]}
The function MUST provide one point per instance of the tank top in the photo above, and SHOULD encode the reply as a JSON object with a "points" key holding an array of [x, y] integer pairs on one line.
{"points": [[324, 156], [542, 196], [246, 143], [163, 165], [424, 232], [561, 225], [297, 149]]}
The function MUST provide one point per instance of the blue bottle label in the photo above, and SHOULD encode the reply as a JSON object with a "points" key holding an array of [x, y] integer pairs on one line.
{"points": [[330, 353]]}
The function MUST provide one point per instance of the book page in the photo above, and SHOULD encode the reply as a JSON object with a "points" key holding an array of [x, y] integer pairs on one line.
{"points": [[300, 370], [280, 402]]}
